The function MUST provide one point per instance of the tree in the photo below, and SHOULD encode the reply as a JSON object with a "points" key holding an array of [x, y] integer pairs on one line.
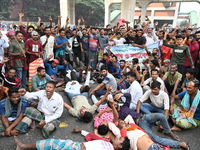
{"points": [[5, 8], [41, 8], [183, 23], [91, 10]]}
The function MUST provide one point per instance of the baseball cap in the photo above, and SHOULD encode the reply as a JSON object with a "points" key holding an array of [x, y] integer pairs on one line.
{"points": [[34, 33], [56, 61]]}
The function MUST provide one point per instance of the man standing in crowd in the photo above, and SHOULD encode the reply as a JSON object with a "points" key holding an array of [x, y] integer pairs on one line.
{"points": [[17, 50], [34, 49], [47, 43], [60, 45]]}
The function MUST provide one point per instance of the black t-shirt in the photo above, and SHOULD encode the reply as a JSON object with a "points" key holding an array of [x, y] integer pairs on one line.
{"points": [[130, 40], [140, 41]]}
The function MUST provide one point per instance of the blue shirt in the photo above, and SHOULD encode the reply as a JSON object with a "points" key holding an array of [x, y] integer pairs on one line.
{"points": [[52, 71], [61, 41], [25, 104], [85, 42], [113, 69], [103, 41], [197, 113], [186, 80]]}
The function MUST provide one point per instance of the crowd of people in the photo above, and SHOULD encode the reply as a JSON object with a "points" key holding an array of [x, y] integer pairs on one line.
{"points": [[129, 99]]}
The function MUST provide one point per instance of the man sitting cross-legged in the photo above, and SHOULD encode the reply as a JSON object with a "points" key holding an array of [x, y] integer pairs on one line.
{"points": [[187, 115], [12, 110], [159, 100], [49, 109], [82, 109], [93, 142]]}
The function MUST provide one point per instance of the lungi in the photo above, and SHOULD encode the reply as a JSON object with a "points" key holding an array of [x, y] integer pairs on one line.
{"points": [[33, 70]]}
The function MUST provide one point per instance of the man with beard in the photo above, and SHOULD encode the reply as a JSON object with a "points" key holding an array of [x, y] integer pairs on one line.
{"points": [[17, 51], [12, 111], [40, 79], [10, 79], [140, 41], [172, 79], [49, 109], [109, 80], [34, 49], [198, 57]]}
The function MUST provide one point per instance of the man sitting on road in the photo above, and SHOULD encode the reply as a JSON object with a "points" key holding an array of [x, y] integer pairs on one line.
{"points": [[109, 80], [159, 100], [49, 109], [135, 89], [53, 68], [187, 115], [154, 77], [12, 111], [40, 79], [10, 79]]}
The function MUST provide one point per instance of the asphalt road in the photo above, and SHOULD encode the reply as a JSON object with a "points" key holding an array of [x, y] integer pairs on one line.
{"points": [[68, 123]]}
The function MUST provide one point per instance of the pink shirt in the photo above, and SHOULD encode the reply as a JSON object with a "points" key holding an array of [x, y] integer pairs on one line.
{"points": [[107, 116]]}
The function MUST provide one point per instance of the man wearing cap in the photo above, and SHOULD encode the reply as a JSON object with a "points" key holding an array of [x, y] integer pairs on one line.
{"points": [[52, 69], [34, 49]]}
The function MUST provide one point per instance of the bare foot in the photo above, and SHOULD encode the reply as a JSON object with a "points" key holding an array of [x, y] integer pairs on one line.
{"points": [[160, 128], [184, 145], [175, 137], [19, 144], [175, 128]]}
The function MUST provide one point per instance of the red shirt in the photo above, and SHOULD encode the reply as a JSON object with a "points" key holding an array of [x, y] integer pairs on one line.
{"points": [[166, 50], [26, 35], [33, 47], [194, 48]]}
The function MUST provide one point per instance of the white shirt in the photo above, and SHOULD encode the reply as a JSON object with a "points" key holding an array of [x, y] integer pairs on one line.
{"points": [[136, 92], [161, 100], [75, 88], [98, 145], [48, 49], [52, 108], [3, 44], [150, 80], [151, 38], [119, 42]]}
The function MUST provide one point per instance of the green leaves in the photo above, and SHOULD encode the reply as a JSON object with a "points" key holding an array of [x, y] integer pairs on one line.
{"points": [[91, 10]]}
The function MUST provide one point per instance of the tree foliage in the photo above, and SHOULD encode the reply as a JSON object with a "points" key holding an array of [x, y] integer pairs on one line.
{"points": [[5, 8], [183, 23], [41, 8], [91, 10]]}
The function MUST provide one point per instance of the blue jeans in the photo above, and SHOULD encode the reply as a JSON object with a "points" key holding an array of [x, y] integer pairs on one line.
{"points": [[100, 92], [148, 107], [21, 73], [146, 123], [71, 95]]}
